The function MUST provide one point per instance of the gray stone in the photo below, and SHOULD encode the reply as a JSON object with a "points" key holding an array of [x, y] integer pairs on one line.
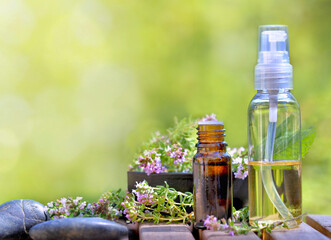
{"points": [[18, 216], [84, 228]]}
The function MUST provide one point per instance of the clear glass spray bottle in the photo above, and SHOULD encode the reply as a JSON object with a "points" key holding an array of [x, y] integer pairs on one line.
{"points": [[274, 139]]}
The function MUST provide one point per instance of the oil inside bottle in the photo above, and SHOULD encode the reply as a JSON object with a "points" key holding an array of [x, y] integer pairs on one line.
{"points": [[213, 190], [287, 179]]}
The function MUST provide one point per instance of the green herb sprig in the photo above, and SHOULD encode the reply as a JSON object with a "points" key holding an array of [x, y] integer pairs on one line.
{"points": [[242, 226], [156, 204], [145, 203]]}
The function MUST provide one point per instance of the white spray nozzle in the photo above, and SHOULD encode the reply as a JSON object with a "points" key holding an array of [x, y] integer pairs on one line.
{"points": [[273, 70], [273, 46]]}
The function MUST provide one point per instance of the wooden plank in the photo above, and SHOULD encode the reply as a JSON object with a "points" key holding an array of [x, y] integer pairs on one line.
{"points": [[303, 232], [321, 223], [215, 235], [165, 232]]}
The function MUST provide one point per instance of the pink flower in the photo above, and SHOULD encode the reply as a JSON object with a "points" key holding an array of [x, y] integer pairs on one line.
{"points": [[62, 210], [151, 162], [211, 117], [82, 205], [63, 201], [240, 150], [178, 154], [173, 155], [225, 226], [75, 201], [211, 223], [237, 160], [232, 151], [167, 150], [145, 194], [241, 173]]}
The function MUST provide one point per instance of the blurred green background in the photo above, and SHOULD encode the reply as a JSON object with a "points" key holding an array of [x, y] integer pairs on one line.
{"points": [[83, 83]]}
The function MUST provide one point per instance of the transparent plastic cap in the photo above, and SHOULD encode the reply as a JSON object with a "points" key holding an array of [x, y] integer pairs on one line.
{"points": [[273, 70]]}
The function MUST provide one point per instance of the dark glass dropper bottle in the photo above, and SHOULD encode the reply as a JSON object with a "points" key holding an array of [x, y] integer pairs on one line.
{"points": [[212, 174]]}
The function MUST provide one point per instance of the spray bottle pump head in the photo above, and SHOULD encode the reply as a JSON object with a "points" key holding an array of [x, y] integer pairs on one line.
{"points": [[273, 46], [273, 70]]}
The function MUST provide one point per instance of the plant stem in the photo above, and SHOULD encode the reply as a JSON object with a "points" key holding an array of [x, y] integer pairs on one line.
{"points": [[167, 219]]}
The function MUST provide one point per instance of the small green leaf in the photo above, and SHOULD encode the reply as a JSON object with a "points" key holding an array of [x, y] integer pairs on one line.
{"points": [[287, 147], [307, 139]]}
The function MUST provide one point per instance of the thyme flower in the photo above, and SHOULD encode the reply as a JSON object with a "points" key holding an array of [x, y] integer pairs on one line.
{"points": [[242, 227], [211, 117], [177, 153], [239, 162], [211, 223], [174, 151], [68, 207], [150, 161], [108, 207], [157, 204]]}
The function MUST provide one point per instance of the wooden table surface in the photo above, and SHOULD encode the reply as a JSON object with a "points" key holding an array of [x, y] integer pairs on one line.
{"points": [[316, 227]]}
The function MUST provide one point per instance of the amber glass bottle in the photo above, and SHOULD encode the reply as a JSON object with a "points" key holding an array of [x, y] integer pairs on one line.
{"points": [[212, 174]]}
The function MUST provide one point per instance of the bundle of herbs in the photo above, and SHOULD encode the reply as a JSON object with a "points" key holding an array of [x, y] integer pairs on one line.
{"points": [[173, 151]]}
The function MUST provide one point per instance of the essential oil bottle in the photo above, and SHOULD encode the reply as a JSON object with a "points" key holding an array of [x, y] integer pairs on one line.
{"points": [[274, 134], [212, 174]]}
